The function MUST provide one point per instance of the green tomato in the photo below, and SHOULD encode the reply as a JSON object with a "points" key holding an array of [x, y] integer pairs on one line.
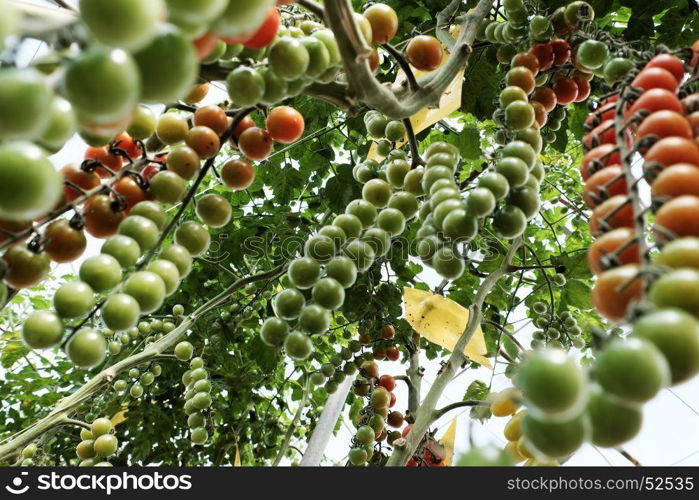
{"points": [[73, 299], [320, 248], [101, 272], [288, 303], [124, 249], [142, 230], [298, 346], [304, 272], [349, 224], [87, 348], [613, 421], [195, 11], [288, 58], [61, 126], [147, 288], [29, 185], [127, 24], [246, 86], [592, 53], [168, 187], [276, 89], [364, 211], [142, 124], [184, 351], [274, 331], [328, 38], [106, 445], [392, 221], [168, 272], [42, 330], [25, 97], [378, 239], [120, 312], [194, 237], [555, 439], [459, 225], [168, 67], [676, 334], [180, 256], [319, 55], [361, 253], [328, 293], [103, 84], [314, 320], [448, 263], [552, 382]]}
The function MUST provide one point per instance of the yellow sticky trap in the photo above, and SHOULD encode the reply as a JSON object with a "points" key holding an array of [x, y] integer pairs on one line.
{"points": [[119, 417], [426, 117], [442, 321], [447, 442]]}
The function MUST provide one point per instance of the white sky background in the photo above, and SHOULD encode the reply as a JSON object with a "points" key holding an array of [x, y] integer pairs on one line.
{"points": [[670, 434]]}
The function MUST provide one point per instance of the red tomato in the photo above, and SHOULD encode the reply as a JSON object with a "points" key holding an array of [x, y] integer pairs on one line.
{"points": [[653, 78], [584, 88], [561, 51], [671, 150], [604, 184], [256, 143], [107, 159], [604, 133], [205, 45], [150, 170], [669, 63], [679, 216], [244, 124], [285, 124], [130, 190], [610, 243], [614, 213], [599, 157], [605, 112], [387, 382], [128, 145], [544, 53], [656, 100], [267, 32], [665, 124], [676, 180], [566, 90], [75, 175]]}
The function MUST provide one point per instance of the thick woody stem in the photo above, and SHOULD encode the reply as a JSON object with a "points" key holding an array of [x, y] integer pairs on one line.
{"points": [[425, 415], [397, 103]]}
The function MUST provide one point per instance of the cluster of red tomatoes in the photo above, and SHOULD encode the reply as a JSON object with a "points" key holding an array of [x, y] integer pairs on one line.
{"points": [[261, 38], [371, 427], [663, 129], [284, 125], [383, 348]]}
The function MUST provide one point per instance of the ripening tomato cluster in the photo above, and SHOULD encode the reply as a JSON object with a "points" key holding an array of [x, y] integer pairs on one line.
{"points": [[284, 125], [376, 415]]}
